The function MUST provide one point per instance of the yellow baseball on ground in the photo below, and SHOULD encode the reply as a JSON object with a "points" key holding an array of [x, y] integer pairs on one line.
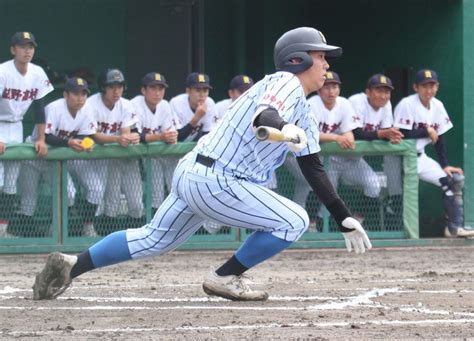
{"points": [[87, 143]]}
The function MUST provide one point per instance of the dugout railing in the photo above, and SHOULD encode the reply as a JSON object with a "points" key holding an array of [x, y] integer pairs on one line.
{"points": [[57, 225]]}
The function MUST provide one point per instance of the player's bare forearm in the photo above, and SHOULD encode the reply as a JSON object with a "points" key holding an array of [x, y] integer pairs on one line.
{"points": [[102, 138], [40, 128], [40, 145]]}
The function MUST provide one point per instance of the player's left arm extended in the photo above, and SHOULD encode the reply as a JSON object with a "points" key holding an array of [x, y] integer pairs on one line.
{"points": [[316, 176], [40, 122]]}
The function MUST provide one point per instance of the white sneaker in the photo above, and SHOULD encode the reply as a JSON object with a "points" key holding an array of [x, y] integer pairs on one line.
{"points": [[231, 287], [55, 277], [463, 232], [4, 232], [89, 230]]}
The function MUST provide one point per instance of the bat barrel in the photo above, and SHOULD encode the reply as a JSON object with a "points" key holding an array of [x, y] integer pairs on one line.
{"points": [[262, 133]]}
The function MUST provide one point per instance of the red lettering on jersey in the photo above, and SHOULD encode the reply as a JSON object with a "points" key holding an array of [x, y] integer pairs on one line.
{"points": [[92, 125], [369, 127], [435, 126], [115, 127], [447, 120], [17, 94], [66, 134], [355, 118], [49, 125], [334, 127], [323, 127], [33, 94], [6, 93], [133, 115], [274, 100], [420, 125], [103, 127]]}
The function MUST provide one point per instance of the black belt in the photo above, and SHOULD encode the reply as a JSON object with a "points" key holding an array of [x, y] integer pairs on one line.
{"points": [[205, 160]]}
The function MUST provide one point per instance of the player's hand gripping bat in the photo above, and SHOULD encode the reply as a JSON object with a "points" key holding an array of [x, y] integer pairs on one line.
{"points": [[270, 134]]}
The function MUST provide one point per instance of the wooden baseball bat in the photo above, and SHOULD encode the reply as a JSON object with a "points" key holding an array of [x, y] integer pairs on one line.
{"points": [[273, 135]]}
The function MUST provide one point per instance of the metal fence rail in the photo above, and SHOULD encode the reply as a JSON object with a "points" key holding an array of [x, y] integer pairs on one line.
{"points": [[64, 184]]}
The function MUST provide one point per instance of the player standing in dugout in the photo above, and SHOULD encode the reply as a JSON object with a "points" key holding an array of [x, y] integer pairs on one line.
{"points": [[221, 180]]}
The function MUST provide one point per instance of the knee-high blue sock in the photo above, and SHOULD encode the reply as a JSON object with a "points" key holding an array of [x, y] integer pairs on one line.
{"points": [[110, 250], [258, 247]]}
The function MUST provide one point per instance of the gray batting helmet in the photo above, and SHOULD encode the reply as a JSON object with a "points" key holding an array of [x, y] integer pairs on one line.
{"points": [[296, 44], [109, 77]]}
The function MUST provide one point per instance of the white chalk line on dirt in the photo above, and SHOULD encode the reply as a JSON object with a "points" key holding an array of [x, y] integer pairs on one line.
{"points": [[235, 327]]}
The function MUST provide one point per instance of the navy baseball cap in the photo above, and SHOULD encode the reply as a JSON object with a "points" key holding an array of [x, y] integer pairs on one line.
{"points": [[241, 83], [22, 38], [198, 80], [379, 80], [332, 77], [426, 76], [154, 78], [76, 84]]}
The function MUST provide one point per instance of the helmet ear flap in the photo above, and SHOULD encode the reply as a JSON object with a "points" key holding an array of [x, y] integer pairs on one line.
{"points": [[291, 64]]}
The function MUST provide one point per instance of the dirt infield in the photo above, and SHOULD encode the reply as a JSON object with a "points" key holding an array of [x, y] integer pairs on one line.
{"points": [[315, 294]]}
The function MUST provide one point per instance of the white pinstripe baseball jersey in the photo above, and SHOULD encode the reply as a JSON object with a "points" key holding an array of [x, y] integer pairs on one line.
{"points": [[233, 144]]}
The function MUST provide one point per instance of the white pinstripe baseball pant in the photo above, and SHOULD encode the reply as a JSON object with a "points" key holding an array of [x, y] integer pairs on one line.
{"points": [[198, 194]]}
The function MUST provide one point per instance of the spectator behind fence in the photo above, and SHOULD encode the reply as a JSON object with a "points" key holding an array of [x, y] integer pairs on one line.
{"points": [[195, 110], [157, 123], [374, 109], [68, 121], [22, 84], [423, 117], [116, 117]]}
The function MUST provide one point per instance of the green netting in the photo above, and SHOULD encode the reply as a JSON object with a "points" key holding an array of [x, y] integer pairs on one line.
{"points": [[68, 197]]}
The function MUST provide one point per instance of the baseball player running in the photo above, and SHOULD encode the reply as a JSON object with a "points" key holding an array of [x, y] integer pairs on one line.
{"points": [[156, 123], [116, 117], [195, 110], [221, 180], [68, 121], [22, 84], [423, 117], [238, 85], [336, 121]]}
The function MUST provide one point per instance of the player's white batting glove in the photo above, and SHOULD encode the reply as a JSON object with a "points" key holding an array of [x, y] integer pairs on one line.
{"points": [[297, 134], [356, 239]]}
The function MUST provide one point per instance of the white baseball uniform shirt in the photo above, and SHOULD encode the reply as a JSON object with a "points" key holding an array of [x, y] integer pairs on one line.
{"points": [[110, 122], [339, 120], [410, 114], [61, 123], [153, 123], [183, 112], [221, 108], [371, 119], [19, 91]]}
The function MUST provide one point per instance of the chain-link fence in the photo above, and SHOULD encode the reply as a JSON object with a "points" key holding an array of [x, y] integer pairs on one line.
{"points": [[72, 198]]}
